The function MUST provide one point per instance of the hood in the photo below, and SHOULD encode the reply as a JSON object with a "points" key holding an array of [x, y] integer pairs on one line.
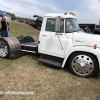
{"points": [[86, 39]]}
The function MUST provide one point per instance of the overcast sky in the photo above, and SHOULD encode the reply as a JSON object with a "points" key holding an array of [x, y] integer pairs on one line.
{"points": [[86, 11]]}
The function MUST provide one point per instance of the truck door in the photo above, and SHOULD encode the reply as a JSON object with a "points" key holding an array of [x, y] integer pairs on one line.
{"points": [[52, 43]]}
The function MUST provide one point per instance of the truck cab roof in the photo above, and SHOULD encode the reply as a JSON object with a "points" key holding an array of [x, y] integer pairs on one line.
{"points": [[62, 15]]}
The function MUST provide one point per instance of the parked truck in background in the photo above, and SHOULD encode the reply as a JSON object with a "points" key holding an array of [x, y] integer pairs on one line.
{"points": [[38, 21], [90, 26], [60, 42], [35, 23]]}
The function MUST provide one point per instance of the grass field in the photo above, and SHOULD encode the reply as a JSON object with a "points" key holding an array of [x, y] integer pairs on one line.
{"points": [[47, 82]]}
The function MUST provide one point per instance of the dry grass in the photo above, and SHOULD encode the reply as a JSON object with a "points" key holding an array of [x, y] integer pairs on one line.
{"points": [[18, 29], [47, 82]]}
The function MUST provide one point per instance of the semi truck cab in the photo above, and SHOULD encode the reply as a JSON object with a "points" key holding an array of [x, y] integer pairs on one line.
{"points": [[60, 43], [55, 36]]}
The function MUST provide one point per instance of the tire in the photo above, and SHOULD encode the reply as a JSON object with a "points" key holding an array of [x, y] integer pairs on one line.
{"points": [[83, 64], [3, 49]]}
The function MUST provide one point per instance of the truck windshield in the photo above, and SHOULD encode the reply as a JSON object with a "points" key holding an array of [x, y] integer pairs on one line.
{"points": [[71, 25]]}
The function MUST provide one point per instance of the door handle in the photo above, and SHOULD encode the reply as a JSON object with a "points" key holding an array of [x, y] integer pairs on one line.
{"points": [[44, 35], [56, 34], [59, 34]]}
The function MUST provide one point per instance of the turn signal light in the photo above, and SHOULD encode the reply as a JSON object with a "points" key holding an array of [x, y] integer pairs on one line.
{"points": [[95, 46]]}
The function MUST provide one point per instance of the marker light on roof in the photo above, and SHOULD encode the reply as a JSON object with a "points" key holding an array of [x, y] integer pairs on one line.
{"points": [[66, 13], [72, 13]]}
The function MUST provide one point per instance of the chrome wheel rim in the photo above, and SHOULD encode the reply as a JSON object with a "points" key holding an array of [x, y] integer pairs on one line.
{"points": [[3, 49], [82, 65]]}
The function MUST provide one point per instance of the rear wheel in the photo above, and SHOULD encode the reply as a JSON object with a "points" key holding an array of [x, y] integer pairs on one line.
{"points": [[83, 64], [3, 49]]}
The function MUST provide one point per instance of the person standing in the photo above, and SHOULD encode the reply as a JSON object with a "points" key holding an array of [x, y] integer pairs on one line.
{"points": [[4, 27], [87, 30], [81, 29]]}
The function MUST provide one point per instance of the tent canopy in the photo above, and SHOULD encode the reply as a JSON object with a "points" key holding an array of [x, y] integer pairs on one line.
{"points": [[2, 12]]}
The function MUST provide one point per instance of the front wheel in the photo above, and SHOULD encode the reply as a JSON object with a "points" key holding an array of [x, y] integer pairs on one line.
{"points": [[83, 64]]}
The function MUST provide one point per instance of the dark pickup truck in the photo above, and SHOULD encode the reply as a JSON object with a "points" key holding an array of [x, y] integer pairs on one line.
{"points": [[97, 31]]}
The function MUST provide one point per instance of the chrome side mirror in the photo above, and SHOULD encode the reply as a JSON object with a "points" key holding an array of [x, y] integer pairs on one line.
{"points": [[58, 24]]}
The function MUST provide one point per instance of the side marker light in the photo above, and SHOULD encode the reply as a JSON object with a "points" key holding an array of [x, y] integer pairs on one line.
{"points": [[95, 46]]}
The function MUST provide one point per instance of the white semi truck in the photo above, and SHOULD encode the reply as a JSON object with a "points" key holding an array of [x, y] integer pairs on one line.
{"points": [[60, 42]]}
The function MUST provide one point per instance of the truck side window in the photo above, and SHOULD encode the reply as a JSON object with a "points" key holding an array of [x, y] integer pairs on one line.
{"points": [[50, 25]]}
